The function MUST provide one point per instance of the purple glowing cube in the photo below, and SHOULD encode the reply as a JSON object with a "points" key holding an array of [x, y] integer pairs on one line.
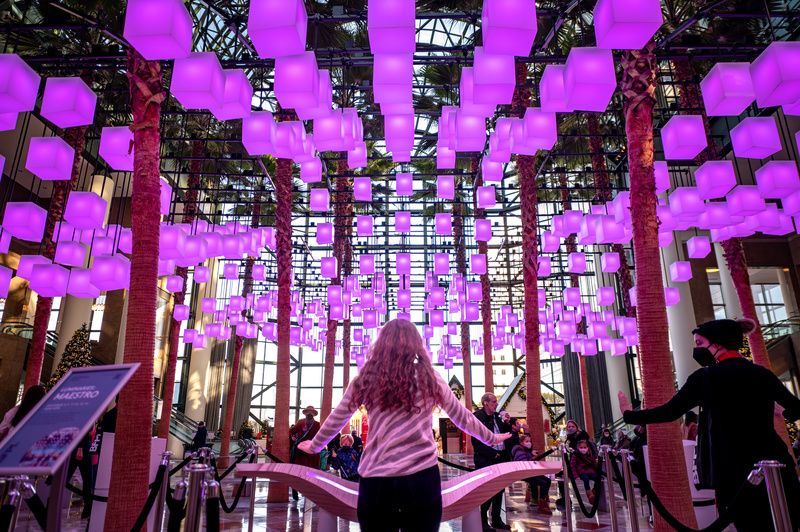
{"points": [[362, 189], [297, 81], [491, 171], [683, 137], [445, 187], [576, 263], [158, 29], [174, 283], [198, 81], [324, 233], [237, 96], [357, 157], [68, 102], [544, 267], [49, 280], [258, 133], [311, 171], [776, 74], [610, 262], [470, 132], [364, 225], [399, 131], [572, 297], [70, 253], [165, 197], [686, 201], [680, 271], [443, 223], [662, 176], [366, 264], [392, 26], [745, 200], [552, 93], [508, 26], [230, 271], [778, 179], [403, 263], [539, 128], [8, 121], [486, 197], [180, 312], [110, 272], [605, 296], [85, 210], [277, 27], [672, 296], [715, 179], [550, 242], [80, 284], [328, 267], [483, 230], [392, 79], [402, 221], [289, 139], [589, 79], [626, 24], [319, 200], [477, 264], [756, 138], [727, 89], [25, 220], [26, 264], [698, 247], [116, 147], [441, 263], [404, 184], [50, 158], [494, 78], [20, 85], [445, 157], [324, 101]]}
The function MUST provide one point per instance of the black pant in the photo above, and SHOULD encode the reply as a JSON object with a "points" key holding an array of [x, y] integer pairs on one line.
{"points": [[408, 503]]}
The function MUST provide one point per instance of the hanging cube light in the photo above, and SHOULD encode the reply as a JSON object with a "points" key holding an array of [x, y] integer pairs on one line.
{"points": [[158, 29], [680, 271], [483, 230], [626, 24], [662, 176], [745, 200], [443, 223], [49, 280], [552, 93], [715, 179], [116, 147], [171, 242], [68, 102], [445, 157], [491, 171], [198, 81], [756, 138], [70, 253], [230, 271], [111, 272], [445, 187], [328, 267], [357, 157], [329, 131], [50, 158], [8, 121], [165, 197], [404, 298], [277, 27], [403, 263], [609, 262], [441, 263], [576, 263], [508, 26], [539, 128], [85, 210], [290, 139], [672, 296], [392, 26], [25, 220], [237, 96], [364, 225], [366, 264], [258, 133], [26, 264], [698, 247], [19, 85], [311, 171], [776, 74], [550, 242], [399, 132], [544, 267], [392, 77], [319, 200], [404, 184], [470, 132], [727, 89], [605, 296], [402, 221], [297, 81], [686, 201], [716, 216], [362, 189], [174, 284], [324, 233], [777, 179], [477, 263], [80, 284], [486, 197], [589, 79], [494, 77], [683, 137]]}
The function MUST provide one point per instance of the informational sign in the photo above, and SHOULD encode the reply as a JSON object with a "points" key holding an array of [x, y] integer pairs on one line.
{"points": [[46, 437]]}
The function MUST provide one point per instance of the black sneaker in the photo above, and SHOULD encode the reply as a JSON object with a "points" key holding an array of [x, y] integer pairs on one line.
{"points": [[499, 525]]}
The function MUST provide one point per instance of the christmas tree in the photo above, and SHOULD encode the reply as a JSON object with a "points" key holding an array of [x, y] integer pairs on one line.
{"points": [[77, 353]]}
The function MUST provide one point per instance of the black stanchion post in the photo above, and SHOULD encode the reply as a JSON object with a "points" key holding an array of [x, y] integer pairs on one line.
{"points": [[627, 477], [567, 498], [162, 493], [177, 508], [212, 490], [605, 452], [197, 477]]}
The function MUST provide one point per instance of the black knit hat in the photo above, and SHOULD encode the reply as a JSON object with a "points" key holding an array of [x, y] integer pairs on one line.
{"points": [[727, 333]]}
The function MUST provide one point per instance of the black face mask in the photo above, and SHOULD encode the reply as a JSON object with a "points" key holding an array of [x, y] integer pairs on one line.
{"points": [[703, 356]]}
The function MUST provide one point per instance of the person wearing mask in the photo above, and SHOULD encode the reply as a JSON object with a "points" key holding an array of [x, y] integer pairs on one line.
{"points": [[516, 428], [606, 438], [584, 467], [689, 427], [731, 389], [30, 398], [487, 455], [574, 434], [200, 437], [540, 484], [304, 430], [400, 486], [345, 459]]}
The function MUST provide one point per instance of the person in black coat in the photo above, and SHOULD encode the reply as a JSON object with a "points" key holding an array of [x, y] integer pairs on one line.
{"points": [[200, 436], [486, 456], [733, 391]]}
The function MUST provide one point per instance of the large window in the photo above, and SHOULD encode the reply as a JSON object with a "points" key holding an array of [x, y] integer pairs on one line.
{"points": [[769, 303], [52, 324], [96, 322], [717, 300]]}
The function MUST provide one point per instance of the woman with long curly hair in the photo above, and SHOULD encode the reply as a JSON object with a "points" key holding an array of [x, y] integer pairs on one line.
{"points": [[400, 484]]}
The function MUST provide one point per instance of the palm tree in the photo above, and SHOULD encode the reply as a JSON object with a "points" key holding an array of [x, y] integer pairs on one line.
{"points": [[486, 289], [664, 441]]}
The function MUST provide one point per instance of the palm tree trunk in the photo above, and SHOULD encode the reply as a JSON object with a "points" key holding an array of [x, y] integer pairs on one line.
{"points": [[190, 213], [461, 266], [233, 382], [486, 290], [283, 227], [529, 201], [131, 471], [76, 138], [664, 440]]}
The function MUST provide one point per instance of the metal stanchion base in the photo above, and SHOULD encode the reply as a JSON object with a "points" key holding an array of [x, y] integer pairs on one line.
{"points": [[471, 522]]}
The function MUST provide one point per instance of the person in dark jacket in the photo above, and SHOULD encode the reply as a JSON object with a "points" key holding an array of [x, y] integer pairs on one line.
{"points": [[486, 456], [606, 438], [200, 436], [584, 467], [575, 434], [345, 459], [733, 390], [358, 445], [540, 484]]}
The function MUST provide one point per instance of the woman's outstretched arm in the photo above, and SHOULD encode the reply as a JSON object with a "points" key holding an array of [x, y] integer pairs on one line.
{"points": [[336, 421]]}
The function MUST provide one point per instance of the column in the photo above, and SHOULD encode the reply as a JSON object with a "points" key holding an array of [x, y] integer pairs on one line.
{"points": [[75, 311], [681, 316], [787, 293], [732, 308]]}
